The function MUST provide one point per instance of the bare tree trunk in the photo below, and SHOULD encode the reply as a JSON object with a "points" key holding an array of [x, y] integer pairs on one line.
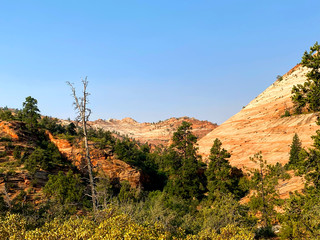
{"points": [[7, 200], [91, 179], [84, 113]]}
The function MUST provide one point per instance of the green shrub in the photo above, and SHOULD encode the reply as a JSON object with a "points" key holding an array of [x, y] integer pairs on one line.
{"points": [[5, 139], [17, 153], [6, 115], [279, 78], [45, 158], [66, 189], [286, 114]]}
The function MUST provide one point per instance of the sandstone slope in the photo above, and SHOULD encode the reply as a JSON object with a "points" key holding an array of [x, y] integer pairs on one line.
{"points": [[153, 133], [259, 127]]}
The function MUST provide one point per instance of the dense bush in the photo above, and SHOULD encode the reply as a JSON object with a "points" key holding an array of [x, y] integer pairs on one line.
{"points": [[6, 115], [65, 188], [46, 157]]}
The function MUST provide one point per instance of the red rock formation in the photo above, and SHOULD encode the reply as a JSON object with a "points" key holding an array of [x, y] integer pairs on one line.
{"points": [[113, 168], [117, 169], [9, 129]]}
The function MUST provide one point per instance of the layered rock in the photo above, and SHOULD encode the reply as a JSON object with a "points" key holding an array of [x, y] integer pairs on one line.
{"points": [[260, 127], [153, 133]]}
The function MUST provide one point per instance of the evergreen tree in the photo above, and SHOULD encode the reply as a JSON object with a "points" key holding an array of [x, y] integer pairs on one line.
{"points": [[221, 176], [265, 196], [71, 129], [183, 141], [45, 157], [219, 169], [301, 219], [184, 180], [31, 113], [307, 95], [66, 189], [6, 115], [309, 162], [295, 150]]}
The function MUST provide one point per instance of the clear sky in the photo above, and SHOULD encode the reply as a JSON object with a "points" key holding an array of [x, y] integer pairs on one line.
{"points": [[150, 60]]}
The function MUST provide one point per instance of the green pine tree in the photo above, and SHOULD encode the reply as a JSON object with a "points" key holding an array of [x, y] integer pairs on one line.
{"points": [[222, 178], [265, 196], [309, 162], [295, 149], [31, 113], [307, 95], [218, 172], [184, 179]]}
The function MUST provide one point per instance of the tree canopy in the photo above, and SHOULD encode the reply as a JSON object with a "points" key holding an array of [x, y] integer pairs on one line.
{"points": [[30, 113], [185, 180], [222, 178], [307, 95]]}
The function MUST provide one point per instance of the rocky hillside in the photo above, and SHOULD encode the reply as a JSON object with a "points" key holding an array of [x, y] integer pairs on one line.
{"points": [[17, 183], [103, 160], [260, 126], [153, 133], [13, 176], [17, 178]]}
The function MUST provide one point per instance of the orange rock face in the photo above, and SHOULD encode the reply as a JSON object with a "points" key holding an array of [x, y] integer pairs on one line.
{"points": [[113, 168], [153, 133], [259, 127], [63, 145], [8, 128], [117, 169]]}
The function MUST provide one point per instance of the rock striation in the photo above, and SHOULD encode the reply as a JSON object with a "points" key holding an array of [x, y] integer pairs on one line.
{"points": [[259, 126], [153, 133]]}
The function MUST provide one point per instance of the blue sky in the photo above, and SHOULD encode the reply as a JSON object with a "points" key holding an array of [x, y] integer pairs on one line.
{"points": [[150, 60]]}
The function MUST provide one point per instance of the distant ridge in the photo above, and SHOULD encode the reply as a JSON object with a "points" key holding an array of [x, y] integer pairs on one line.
{"points": [[153, 133]]}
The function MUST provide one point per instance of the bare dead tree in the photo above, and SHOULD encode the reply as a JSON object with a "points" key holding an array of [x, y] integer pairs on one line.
{"points": [[83, 116], [7, 198]]}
